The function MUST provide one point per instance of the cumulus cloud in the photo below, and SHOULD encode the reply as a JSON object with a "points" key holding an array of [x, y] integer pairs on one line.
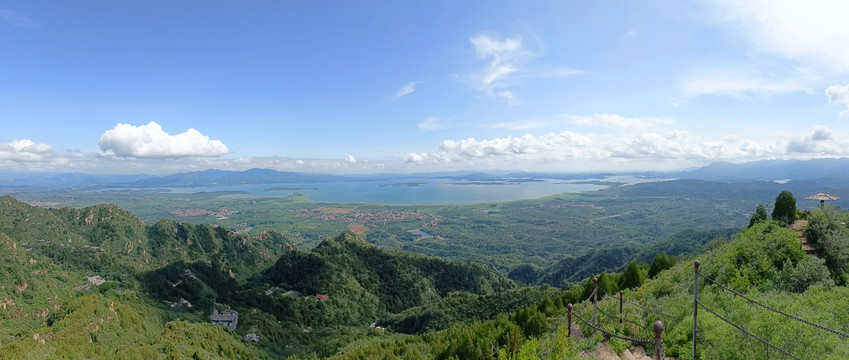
{"points": [[821, 141], [416, 157], [616, 121], [405, 90], [150, 141], [673, 146], [350, 159], [24, 150], [838, 94]]}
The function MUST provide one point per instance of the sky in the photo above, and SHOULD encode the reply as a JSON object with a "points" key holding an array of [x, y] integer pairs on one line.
{"points": [[160, 87]]}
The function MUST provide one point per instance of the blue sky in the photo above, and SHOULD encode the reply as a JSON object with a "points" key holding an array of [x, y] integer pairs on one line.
{"points": [[405, 86]]}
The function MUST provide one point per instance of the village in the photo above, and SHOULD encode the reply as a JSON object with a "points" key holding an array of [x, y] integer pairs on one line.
{"points": [[359, 216], [220, 213]]}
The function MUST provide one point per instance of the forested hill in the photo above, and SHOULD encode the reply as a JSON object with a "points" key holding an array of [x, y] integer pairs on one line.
{"points": [[748, 286], [95, 282], [390, 280]]}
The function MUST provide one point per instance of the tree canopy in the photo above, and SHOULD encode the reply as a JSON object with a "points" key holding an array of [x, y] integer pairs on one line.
{"points": [[785, 207], [758, 216]]}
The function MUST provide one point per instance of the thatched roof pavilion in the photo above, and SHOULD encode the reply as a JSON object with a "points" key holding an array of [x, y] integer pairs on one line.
{"points": [[822, 197]]}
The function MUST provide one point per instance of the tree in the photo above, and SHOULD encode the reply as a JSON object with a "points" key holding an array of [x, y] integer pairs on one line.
{"points": [[607, 283], [631, 278], [662, 262], [785, 207], [758, 216]]}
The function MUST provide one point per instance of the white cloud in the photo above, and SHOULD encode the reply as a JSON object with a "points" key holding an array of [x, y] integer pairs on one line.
{"points": [[821, 141], [651, 149], [506, 66], [299, 162], [821, 133], [629, 35], [405, 90], [811, 32], [350, 159], [150, 141], [838, 94], [24, 150], [737, 83], [432, 123], [416, 157], [616, 121], [503, 57], [801, 42], [508, 96]]}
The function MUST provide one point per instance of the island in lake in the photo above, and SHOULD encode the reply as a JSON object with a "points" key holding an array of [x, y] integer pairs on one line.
{"points": [[289, 189]]}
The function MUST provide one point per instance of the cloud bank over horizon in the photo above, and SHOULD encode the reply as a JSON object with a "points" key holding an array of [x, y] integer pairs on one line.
{"points": [[150, 141]]}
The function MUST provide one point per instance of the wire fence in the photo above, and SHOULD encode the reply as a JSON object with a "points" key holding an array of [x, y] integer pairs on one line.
{"points": [[650, 309], [696, 333], [768, 345], [738, 327], [623, 318], [770, 308], [657, 341], [626, 338]]}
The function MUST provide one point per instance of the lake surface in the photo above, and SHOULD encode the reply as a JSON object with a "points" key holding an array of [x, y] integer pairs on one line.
{"points": [[416, 191]]}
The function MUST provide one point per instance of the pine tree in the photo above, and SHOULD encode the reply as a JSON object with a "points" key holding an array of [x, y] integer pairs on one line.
{"points": [[631, 278], [785, 207]]}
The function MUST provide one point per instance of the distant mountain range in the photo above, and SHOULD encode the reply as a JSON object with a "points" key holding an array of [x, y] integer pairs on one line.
{"points": [[766, 170], [229, 178], [772, 170], [64, 180]]}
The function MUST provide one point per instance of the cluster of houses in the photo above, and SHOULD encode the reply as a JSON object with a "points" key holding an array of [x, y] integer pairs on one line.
{"points": [[227, 319], [92, 280]]}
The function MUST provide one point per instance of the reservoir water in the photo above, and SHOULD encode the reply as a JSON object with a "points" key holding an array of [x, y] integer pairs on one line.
{"points": [[417, 191]]}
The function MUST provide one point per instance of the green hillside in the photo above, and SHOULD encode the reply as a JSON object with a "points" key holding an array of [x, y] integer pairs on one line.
{"points": [[95, 282], [765, 263]]}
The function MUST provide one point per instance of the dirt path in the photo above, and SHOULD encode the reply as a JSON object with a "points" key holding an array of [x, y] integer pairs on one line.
{"points": [[799, 226]]}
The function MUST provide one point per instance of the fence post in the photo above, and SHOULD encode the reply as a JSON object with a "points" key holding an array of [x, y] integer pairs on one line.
{"points": [[595, 301], [620, 306], [658, 341], [695, 303], [569, 320]]}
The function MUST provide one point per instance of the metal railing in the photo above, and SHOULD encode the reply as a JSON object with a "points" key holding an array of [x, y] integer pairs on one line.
{"points": [[660, 351], [593, 298]]}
